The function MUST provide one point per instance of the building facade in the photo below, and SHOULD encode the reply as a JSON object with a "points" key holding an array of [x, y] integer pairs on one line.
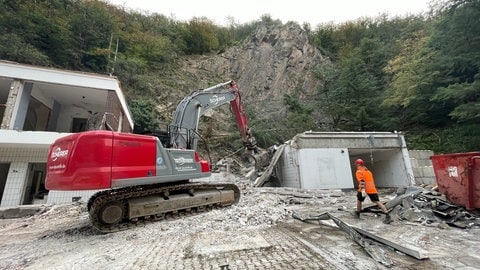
{"points": [[325, 160], [39, 105]]}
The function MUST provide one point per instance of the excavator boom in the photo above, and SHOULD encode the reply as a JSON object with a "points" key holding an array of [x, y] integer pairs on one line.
{"points": [[184, 127]]}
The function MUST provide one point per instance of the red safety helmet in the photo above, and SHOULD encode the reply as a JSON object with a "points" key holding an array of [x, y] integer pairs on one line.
{"points": [[359, 162]]}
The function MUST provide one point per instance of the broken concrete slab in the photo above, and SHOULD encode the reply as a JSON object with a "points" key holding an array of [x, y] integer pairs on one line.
{"points": [[358, 235], [414, 252], [376, 252], [21, 211], [268, 172]]}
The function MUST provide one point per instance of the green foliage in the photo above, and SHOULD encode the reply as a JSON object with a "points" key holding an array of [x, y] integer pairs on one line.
{"points": [[457, 40], [456, 138], [294, 105], [409, 74], [414, 81], [127, 70], [144, 114], [201, 36], [349, 93], [153, 48], [466, 99], [299, 117], [12, 47], [41, 26]]}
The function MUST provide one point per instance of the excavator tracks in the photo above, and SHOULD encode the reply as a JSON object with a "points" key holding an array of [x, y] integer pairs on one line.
{"points": [[124, 208]]}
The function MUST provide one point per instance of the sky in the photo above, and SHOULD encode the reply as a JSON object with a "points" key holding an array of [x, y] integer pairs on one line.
{"points": [[300, 11]]}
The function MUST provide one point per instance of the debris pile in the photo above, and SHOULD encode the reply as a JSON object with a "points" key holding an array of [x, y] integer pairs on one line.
{"points": [[428, 207]]}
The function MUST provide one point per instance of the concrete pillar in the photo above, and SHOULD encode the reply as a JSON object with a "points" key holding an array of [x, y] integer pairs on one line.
{"points": [[407, 162], [21, 108], [15, 185], [52, 123], [15, 88]]}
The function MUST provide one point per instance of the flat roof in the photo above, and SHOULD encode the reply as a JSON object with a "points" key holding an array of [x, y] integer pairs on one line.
{"points": [[69, 81]]}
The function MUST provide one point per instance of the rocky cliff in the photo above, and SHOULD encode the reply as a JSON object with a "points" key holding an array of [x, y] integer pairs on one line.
{"points": [[275, 60]]}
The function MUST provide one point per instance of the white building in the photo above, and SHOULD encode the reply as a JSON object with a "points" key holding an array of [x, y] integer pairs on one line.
{"points": [[39, 105], [325, 160]]}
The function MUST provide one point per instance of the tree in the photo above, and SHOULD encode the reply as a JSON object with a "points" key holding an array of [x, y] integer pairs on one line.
{"points": [[201, 36], [144, 114], [13, 48], [92, 25], [457, 40], [414, 80]]}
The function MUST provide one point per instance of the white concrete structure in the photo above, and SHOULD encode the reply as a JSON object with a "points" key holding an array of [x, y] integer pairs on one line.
{"points": [[39, 105], [325, 160]]}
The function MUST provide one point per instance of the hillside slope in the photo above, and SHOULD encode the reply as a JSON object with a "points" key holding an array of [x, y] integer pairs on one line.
{"points": [[275, 60]]}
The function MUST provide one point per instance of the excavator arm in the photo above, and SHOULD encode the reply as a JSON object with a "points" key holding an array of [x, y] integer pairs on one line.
{"points": [[241, 117], [184, 127]]}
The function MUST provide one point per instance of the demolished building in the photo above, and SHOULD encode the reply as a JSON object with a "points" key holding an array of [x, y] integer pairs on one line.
{"points": [[324, 160]]}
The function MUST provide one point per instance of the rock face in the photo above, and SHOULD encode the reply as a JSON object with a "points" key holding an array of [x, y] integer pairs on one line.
{"points": [[275, 60]]}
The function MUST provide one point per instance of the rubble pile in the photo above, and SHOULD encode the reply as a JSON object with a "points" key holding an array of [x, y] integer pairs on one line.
{"points": [[428, 207]]}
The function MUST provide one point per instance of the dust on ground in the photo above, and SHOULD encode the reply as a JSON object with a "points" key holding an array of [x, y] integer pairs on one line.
{"points": [[257, 233]]}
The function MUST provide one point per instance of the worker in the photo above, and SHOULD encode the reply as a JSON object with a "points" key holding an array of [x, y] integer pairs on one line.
{"points": [[366, 186]]}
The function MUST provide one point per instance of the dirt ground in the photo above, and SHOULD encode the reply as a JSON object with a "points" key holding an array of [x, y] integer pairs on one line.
{"points": [[257, 233]]}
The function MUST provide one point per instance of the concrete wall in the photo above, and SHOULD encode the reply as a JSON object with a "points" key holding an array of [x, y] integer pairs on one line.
{"points": [[288, 168], [422, 166], [325, 168], [19, 160]]}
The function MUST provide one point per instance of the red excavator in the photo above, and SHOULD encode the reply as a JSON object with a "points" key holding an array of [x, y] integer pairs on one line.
{"points": [[141, 177]]}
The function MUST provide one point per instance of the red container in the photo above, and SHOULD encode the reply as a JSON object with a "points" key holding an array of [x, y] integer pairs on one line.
{"points": [[458, 177]]}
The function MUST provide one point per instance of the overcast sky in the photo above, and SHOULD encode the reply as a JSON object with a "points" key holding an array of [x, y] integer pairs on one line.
{"points": [[311, 11]]}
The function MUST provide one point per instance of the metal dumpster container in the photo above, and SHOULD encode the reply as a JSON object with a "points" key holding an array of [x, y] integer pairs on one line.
{"points": [[458, 177]]}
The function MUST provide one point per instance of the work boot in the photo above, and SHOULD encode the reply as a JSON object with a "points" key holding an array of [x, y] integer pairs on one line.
{"points": [[387, 219], [357, 214]]}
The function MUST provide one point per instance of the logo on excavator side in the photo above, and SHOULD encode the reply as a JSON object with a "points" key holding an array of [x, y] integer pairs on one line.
{"points": [[181, 161], [216, 99], [58, 153]]}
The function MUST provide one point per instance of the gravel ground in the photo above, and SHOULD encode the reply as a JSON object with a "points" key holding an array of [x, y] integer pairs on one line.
{"points": [[259, 226]]}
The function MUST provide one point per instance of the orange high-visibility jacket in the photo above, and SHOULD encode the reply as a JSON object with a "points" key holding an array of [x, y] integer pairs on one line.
{"points": [[364, 174]]}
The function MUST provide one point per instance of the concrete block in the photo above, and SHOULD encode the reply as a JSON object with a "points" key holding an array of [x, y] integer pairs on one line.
{"points": [[427, 171], [414, 162], [417, 172], [420, 154], [424, 162]]}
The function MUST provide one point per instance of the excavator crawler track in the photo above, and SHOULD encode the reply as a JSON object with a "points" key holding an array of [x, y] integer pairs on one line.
{"points": [[124, 208]]}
